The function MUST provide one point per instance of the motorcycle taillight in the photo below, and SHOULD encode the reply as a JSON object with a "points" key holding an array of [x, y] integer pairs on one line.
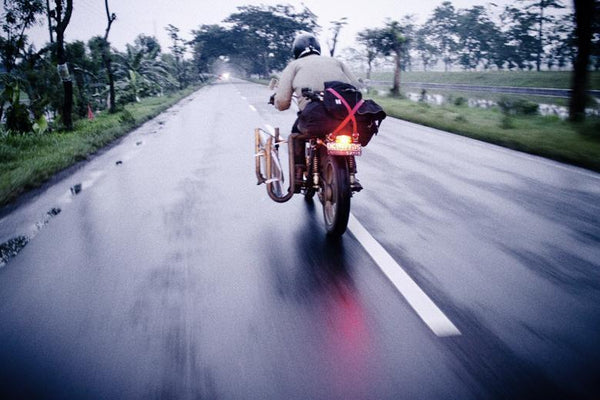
{"points": [[343, 138]]}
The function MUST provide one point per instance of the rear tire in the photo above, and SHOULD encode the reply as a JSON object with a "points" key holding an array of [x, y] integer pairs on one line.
{"points": [[336, 195]]}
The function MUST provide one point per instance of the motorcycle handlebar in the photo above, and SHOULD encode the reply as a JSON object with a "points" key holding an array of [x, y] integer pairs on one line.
{"points": [[306, 92]]}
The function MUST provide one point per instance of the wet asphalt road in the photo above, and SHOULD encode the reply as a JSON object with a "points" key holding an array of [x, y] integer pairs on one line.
{"points": [[172, 275]]}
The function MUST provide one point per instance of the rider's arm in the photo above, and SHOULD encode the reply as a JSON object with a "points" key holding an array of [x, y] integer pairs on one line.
{"points": [[351, 78], [283, 96]]}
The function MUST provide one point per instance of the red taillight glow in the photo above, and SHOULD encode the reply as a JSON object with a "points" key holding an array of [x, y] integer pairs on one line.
{"points": [[343, 145], [343, 139]]}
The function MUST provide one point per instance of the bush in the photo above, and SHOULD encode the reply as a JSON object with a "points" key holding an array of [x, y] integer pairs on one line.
{"points": [[460, 118], [126, 118], [589, 128], [460, 101], [518, 107], [8, 153], [507, 122], [125, 97], [17, 119], [41, 125]]}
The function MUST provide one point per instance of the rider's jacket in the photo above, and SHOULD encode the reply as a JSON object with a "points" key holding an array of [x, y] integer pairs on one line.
{"points": [[309, 72]]}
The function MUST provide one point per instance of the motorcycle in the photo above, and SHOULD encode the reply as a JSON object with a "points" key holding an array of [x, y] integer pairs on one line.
{"points": [[329, 170]]}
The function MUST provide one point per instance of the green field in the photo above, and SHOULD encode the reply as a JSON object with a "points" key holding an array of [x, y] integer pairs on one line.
{"points": [[547, 136], [543, 79]]}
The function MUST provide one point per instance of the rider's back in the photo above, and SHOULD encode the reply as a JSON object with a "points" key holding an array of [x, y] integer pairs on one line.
{"points": [[309, 72]]}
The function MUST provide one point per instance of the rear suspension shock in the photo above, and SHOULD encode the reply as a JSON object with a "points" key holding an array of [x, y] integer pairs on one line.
{"points": [[315, 168], [352, 169]]}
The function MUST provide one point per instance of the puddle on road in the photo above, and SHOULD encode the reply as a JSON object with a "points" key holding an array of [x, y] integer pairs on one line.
{"points": [[76, 189], [87, 183], [431, 97], [49, 215], [12, 247]]}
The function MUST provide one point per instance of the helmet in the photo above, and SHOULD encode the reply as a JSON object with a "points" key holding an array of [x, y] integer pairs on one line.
{"points": [[306, 44]]}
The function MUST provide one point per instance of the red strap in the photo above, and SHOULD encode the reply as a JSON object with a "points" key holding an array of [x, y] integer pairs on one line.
{"points": [[351, 112]]}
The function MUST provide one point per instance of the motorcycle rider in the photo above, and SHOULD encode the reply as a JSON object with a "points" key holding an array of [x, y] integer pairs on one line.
{"points": [[308, 70]]}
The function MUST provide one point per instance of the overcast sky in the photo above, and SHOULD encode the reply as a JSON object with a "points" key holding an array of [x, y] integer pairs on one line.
{"points": [[152, 16]]}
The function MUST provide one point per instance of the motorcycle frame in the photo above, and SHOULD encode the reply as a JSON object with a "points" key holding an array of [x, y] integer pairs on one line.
{"points": [[267, 151]]}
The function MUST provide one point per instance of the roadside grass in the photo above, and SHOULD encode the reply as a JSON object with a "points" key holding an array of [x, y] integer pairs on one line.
{"points": [[451, 96], [542, 79], [546, 136], [27, 161]]}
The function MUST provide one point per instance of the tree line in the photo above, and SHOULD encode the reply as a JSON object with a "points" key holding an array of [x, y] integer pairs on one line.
{"points": [[530, 34], [526, 35], [65, 80], [254, 40]]}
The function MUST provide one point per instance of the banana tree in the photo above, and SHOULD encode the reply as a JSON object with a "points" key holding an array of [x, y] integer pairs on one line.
{"points": [[142, 73], [17, 113]]}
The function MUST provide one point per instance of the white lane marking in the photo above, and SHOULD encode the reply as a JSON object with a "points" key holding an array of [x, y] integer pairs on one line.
{"points": [[252, 107], [414, 295]]}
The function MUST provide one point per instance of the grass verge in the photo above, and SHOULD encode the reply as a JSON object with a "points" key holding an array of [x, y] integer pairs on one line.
{"points": [[550, 137], [27, 161]]}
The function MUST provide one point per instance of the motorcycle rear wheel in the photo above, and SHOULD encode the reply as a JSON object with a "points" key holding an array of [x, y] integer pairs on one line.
{"points": [[336, 195]]}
